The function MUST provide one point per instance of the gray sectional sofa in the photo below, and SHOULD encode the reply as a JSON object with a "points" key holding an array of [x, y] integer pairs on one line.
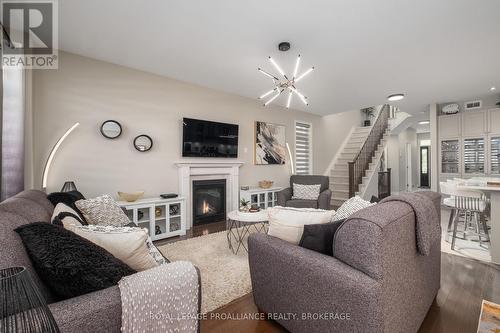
{"points": [[376, 282], [99, 311]]}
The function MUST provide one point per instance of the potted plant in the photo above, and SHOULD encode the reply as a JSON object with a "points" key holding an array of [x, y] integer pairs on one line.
{"points": [[369, 114], [244, 205]]}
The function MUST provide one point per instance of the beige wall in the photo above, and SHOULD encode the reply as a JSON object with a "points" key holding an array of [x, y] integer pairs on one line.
{"points": [[333, 129], [91, 91]]}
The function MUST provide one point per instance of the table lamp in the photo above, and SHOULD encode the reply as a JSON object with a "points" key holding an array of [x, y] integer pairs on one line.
{"points": [[22, 306]]}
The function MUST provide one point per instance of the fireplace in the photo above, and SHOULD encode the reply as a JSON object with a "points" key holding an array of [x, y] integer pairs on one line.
{"points": [[209, 201]]}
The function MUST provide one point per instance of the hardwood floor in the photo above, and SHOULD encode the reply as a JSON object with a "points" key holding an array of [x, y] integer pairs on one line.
{"points": [[464, 284]]}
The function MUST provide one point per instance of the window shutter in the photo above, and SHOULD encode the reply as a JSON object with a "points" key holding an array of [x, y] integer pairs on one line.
{"points": [[303, 148]]}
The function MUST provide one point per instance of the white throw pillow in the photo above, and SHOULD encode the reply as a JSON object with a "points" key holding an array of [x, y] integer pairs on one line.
{"points": [[125, 243], [155, 253], [350, 207], [102, 211], [287, 223], [306, 192], [69, 219]]}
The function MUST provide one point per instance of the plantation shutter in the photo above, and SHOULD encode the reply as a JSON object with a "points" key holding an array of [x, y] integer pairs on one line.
{"points": [[303, 148]]}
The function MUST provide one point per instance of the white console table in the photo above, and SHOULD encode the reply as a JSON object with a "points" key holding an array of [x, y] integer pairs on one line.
{"points": [[162, 217], [263, 197]]}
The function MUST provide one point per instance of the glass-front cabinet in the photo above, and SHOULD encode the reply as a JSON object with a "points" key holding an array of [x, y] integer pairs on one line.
{"points": [[474, 155], [264, 198], [495, 154], [450, 156], [161, 217]]}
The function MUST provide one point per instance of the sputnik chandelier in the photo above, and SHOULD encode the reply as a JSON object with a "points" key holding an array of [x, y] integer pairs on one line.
{"points": [[285, 83]]}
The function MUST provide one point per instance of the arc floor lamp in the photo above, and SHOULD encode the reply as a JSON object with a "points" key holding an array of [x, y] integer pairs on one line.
{"points": [[53, 152]]}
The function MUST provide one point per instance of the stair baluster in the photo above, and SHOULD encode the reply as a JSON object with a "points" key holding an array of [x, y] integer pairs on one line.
{"points": [[360, 164]]}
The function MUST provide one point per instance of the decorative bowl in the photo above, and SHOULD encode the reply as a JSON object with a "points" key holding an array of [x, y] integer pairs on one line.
{"points": [[265, 183], [130, 197]]}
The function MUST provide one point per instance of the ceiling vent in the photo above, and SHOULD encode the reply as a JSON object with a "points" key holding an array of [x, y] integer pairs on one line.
{"points": [[473, 105]]}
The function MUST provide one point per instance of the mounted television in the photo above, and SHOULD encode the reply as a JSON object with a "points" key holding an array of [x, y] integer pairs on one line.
{"points": [[201, 138]]}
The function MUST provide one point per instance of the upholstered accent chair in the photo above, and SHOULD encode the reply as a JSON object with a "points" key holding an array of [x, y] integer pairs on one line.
{"points": [[323, 201]]}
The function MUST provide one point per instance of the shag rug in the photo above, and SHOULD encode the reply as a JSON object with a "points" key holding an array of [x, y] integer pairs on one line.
{"points": [[224, 275]]}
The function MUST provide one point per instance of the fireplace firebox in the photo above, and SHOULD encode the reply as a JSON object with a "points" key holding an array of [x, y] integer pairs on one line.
{"points": [[209, 201]]}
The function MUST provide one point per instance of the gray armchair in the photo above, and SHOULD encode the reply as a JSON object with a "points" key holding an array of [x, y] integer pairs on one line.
{"points": [[323, 202]]}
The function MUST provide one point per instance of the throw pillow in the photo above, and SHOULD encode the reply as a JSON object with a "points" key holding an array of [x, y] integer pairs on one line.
{"points": [[350, 207], [65, 216], [103, 211], [127, 244], [319, 237], [305, 192], [69, 264], [155, 253], [287, 223], [69, 199]]}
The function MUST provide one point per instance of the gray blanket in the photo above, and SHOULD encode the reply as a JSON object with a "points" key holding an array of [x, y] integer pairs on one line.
{"points": [[427, 230], [162, 299]]}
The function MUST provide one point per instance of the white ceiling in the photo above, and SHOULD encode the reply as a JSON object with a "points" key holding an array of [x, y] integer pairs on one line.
{"points": [[363, 50]]}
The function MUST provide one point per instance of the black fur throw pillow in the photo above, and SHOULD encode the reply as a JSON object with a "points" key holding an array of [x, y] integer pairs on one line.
{"points": [[69, 264], [69, 199]]}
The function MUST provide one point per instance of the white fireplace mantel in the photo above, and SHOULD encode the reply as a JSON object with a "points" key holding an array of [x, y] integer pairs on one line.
{"points": [[203, 170]]}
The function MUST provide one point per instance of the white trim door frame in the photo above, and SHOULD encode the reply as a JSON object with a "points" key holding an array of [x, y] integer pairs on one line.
{"points": [[409, 180]]}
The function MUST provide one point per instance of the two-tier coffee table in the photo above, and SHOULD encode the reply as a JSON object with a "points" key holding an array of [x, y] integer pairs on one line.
{"points": [[240, 225]]}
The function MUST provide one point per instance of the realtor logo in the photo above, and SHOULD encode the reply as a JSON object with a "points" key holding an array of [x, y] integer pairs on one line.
{"points": [[29, 34]]}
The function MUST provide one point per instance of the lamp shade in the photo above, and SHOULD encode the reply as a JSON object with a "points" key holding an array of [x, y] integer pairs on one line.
{"points": [[69, 186], [22, 307]]}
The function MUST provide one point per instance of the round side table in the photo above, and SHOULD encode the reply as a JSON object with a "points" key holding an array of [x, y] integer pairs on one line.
{"points": [[240, 225]]}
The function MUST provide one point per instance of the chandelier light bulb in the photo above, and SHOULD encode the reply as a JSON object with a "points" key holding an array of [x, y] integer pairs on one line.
{"points": [[289, 99], [304, 74], [267, 93], [278, 68], [273, 98], [302, 97], [267, 74], [295, 71]]}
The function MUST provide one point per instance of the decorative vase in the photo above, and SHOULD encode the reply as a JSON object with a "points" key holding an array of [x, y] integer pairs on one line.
{"points": [[157, 211], [174, 209], [157, 230]]}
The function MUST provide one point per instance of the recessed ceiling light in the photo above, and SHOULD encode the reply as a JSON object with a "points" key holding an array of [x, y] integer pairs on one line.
{"points": [[493, 88], [424, 122], [395, 97]]}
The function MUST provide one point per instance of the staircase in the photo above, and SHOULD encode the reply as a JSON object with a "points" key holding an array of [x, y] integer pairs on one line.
{"points": [[354, 168], [339, 175]]}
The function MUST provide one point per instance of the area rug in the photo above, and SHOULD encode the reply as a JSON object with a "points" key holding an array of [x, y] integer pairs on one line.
{"points": [[224, 275], [489, 320]]}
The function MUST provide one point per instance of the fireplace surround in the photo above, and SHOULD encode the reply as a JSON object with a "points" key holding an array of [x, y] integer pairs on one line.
{"points": [[190, 171]]}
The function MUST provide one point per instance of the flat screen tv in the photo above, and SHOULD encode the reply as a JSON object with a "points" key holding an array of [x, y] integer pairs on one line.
{"points": [[201, 138]]}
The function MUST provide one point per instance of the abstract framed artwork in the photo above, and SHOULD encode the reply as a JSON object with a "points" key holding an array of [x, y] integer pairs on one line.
{"points": [[270, 146]]}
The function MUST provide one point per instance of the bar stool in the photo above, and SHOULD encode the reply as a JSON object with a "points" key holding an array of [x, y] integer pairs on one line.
{"points": [[469, 204], [448, 188]]}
